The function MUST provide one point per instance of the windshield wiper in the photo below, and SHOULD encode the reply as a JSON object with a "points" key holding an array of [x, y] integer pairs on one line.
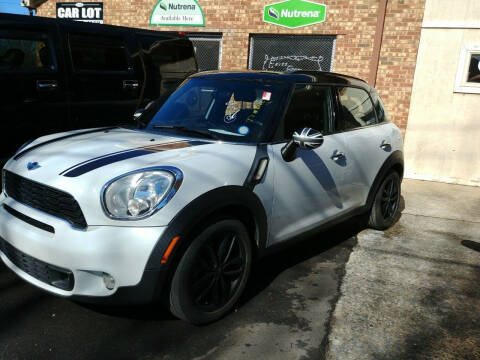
{"points": [[187, 130]]}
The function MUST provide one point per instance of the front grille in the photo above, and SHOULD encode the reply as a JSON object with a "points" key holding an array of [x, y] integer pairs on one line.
{"points": [[29, 220], [49, 274], [52, 201]]}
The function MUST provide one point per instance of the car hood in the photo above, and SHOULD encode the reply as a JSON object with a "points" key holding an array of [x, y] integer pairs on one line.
{"points": [[81, 163], [75, 154]]}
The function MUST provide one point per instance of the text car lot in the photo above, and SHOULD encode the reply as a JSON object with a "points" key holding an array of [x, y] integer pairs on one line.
{"points": [[411, 292]]}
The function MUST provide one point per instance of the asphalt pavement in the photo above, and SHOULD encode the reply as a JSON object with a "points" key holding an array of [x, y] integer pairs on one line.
{"points": [[413, 291], [349, 293]]}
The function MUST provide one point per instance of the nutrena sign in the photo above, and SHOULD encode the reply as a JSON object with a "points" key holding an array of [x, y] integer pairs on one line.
{"points": [[177, 13], [294, 13]]}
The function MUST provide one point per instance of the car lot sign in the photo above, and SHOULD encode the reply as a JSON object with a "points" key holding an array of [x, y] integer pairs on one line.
{"points": [[81, 11], [294, 13], [177, 13]]}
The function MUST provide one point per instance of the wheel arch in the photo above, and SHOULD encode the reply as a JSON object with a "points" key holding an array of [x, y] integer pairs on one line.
{"points": [[394, 162], [227, 201]]}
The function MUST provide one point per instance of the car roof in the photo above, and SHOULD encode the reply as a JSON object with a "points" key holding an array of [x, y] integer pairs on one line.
{"points": [[292, 77]]}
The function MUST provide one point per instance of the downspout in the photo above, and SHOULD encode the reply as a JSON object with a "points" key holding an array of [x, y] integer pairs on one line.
{"points": [[382, 10]]}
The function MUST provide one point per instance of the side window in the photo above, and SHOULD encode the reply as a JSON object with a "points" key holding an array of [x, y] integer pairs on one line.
{"points": [[174, 55], [146, 41], [356, 108], [98, 54], [25, 54], [311, 106], [379, 108], [474, 69]]}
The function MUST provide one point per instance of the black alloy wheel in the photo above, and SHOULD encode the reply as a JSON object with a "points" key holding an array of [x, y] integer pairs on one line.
{"points": [[390, 198], [220, 265], [385, 204], [212, 273]]}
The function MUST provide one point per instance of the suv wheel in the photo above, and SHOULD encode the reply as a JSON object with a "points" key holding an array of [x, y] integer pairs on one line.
{"points": [[212, 273], [385, 204]]}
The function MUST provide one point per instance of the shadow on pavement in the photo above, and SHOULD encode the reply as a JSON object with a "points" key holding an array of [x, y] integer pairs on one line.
{"points": [[267, 269], [148, 312]]}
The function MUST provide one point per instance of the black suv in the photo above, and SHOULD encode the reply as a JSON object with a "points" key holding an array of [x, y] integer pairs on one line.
{"points": [[60, 75]]}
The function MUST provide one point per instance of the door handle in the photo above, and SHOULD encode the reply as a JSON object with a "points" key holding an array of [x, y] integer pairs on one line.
{"points": [[46, 85], [385, 145], [338, 155], [130, 84]]}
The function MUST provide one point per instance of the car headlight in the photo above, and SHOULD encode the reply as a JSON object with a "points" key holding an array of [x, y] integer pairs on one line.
{"points": [[139, 194]]}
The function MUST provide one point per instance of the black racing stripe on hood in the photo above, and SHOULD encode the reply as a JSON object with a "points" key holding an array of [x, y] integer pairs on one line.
{"points": [[20, 154], [116, 157], [100, 157]]}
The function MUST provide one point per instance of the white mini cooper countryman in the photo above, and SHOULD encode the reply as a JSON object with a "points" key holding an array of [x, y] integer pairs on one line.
{"points": [[177, 208]]}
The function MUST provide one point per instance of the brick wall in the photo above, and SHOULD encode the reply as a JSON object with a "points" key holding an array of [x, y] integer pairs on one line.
{"points": [[398, 56], [352, 21]]}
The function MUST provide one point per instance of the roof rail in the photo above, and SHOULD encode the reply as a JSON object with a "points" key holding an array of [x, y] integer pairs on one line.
{"points": [[312, 72]]}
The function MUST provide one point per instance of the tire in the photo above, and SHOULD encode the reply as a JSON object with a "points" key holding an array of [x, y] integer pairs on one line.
{"points": [[385, 204], [212, 273]]}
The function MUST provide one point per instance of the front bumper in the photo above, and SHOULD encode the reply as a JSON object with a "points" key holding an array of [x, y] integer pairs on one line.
{"points": [[121, 252]]}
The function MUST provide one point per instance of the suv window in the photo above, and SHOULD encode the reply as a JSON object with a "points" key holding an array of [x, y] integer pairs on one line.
{"points": [[25, 54], [356, 107], [379, 108], [173, 55], [98, 54], [146, 41], [310, 106]]}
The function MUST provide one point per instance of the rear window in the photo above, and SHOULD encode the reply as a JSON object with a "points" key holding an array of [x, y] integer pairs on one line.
{"points": [[357, 108], [25, 54], [98, 53]]}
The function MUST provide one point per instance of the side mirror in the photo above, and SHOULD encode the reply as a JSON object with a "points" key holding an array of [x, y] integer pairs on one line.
{"points": [[307, 139]]}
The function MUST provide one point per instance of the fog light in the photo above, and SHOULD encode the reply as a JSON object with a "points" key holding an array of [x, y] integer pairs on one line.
{"points": [[109, 281]]}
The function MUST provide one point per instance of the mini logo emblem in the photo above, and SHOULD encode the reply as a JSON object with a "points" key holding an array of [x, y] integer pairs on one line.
{"points": [[33, 165]]}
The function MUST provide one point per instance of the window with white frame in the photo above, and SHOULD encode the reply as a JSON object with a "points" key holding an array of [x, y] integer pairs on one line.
{"points": [[468, 73]]}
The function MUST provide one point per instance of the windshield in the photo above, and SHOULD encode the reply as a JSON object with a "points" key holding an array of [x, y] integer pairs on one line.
{"points": [[230, 110]]}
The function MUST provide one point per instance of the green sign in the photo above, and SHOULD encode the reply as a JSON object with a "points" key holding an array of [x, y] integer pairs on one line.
{"points": [[294, 13], [177, 13]]}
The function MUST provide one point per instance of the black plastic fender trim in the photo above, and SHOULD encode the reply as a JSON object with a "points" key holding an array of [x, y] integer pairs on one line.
{"points": [[396, 158], [200, 209], [194, 216]]}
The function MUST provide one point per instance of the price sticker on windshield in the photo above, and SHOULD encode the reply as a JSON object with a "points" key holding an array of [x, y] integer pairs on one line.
{"points": [[267, 96]]}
